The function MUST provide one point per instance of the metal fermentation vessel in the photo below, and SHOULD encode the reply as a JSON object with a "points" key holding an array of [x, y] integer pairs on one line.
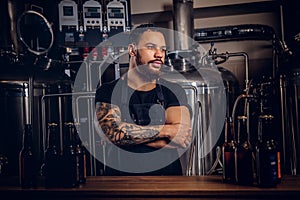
{"points": [[208, 89]]}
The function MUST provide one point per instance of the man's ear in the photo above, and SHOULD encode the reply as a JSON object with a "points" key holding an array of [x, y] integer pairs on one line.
{"points": [[131, 50]]}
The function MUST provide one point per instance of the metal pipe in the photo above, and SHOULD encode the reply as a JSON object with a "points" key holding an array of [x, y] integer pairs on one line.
{"points": [[28, 97], [61, 129], [12, 13], [226, 55], [31, 99], [247, 85], [19, 33], [91, 138], [183, 23], [126, 10], [274, 57], [89, 102], [25, 103], [191, 156], [281, 23], [295, 129], [283, 115], [43, 107], [246, 57], [293, 145]]}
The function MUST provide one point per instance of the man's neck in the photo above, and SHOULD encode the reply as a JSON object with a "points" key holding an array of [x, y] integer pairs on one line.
{"points": [[138, 82]]}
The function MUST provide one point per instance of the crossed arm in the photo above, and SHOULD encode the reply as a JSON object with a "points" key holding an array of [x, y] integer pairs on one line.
{"points": [[177, 128]]}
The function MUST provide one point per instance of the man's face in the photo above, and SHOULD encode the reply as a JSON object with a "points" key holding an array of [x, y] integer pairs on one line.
{"points": [[151, 51]]}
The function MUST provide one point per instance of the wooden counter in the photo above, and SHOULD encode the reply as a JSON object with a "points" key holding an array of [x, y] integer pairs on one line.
{"points": [[157, 187]]}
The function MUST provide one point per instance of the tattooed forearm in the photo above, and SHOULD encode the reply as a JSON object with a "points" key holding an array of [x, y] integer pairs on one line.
{"points": [[121, 133], [134, 134], [102, 110]]}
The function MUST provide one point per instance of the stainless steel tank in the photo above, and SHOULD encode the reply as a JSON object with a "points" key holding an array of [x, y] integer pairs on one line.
{"points": [[21, 91], [290, 99], [210, 90]]}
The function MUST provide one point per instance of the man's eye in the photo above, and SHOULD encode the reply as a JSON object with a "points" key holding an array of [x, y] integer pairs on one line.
{"points": [[150, 47]]}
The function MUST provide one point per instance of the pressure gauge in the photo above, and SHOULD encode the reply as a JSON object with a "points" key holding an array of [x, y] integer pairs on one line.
{"points": [[68, 14], [92, 15], [115, 15]]}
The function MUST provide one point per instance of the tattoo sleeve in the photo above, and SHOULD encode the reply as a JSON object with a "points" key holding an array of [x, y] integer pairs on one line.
{"points": [[122, 133]]}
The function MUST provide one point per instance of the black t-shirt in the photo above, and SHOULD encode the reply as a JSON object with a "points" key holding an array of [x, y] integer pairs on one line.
{"points": [[116, 91], [166, 94]]}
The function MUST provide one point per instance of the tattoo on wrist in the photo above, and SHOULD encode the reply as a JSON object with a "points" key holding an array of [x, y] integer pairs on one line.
{"points": [[134, 134]]}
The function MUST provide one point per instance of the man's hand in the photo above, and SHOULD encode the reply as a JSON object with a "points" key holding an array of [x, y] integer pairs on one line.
{"points": [[177, 130], [178, 134], [173, 136]]}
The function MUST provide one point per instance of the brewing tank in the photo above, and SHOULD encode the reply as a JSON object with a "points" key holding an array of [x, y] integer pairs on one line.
{"points": [[21, 91], [210, 90]]}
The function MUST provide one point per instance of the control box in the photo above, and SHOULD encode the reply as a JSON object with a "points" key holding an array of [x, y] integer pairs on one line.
{"points": [[92, 15], [116, 15], [68, 14]]}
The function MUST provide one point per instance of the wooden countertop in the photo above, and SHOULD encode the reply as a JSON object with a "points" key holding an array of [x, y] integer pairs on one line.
{"points": [[158, 187]]}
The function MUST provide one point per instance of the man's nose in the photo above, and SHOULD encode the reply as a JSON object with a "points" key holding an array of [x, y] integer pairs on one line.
{"points": [[158, 53]]}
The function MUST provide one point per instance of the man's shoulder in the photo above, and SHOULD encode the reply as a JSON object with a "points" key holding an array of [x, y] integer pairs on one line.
{"points": [[106, 90], [108, 85]]}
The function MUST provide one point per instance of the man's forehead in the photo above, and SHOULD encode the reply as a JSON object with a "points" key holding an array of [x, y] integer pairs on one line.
{"points": [[154, 37]]}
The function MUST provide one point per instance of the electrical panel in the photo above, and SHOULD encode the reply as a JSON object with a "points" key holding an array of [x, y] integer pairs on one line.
{"points": [[92, 15], [116, 15], [68, 14], [84, 24]]}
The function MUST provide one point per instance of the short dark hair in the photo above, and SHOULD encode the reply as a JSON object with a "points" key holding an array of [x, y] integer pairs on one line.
{"points": [[139, 30]]}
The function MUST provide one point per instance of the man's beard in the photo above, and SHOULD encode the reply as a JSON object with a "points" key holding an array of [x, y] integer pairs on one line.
{"points": [[145, 69]]}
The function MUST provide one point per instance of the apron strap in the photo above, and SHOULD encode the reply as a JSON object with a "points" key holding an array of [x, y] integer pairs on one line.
{"points": [[124, 96], [160, 95], [125, 114]]}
